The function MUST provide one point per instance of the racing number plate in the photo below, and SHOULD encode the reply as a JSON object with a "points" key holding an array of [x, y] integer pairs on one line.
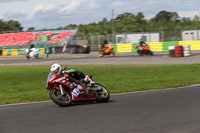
{"points": [[75, 92]]}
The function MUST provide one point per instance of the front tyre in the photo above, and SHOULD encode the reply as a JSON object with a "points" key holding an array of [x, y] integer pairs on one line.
{"points": [[36, 56], [59, 99], [101, 53], [102, 95], [140, 52]]}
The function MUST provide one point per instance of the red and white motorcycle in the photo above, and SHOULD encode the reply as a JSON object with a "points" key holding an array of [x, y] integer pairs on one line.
{"points": [[64, 92]]}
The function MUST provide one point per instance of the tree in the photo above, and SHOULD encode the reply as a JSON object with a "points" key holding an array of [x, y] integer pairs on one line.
{"points": [[14, 25], [120, 17], [104, 21], [3, 26], [196, 18], [31, 29], [166, 16]]}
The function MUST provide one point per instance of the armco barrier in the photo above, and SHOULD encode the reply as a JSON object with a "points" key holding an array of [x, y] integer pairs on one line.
{"points": [[6, 52], [133, 47], [167, 44], [115, 47], [70, 49], [156, 46], [14, 52], [124, 48], [194, 45]]}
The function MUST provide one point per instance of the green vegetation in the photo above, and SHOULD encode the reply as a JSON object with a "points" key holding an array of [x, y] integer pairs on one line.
{"points": [[126, 22], [27, 83], [129, 23]]}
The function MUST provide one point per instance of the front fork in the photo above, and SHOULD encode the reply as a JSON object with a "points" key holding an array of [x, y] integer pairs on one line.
{"points": [[61, 90]]}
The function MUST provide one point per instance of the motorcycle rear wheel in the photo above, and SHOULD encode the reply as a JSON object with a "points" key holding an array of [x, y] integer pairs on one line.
{"points": [[27, 56], [112, 53], [102, 95], [59, 99]]}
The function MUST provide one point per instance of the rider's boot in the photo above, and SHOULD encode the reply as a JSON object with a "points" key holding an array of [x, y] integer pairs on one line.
{"points": [[81, 89], [89, 81]]}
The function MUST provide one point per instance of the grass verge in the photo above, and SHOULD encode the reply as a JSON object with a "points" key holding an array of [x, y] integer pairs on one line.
{"points": [[27, 83]]}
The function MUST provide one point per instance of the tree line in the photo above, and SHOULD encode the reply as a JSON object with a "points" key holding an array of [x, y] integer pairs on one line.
{"points": [[126, 22]]}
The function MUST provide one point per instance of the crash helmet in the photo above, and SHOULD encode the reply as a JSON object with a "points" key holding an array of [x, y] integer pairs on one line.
{"points": [[56, 68]]}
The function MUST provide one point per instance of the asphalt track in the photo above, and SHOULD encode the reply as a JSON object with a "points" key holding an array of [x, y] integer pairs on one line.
{"points": [[175, 110], [160, 58], [163, 111]]}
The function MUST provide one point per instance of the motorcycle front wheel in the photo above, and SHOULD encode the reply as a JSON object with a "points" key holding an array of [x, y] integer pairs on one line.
{"points": [[140, 52], [36, 56], [102, 95], [101, 53], [59, 99]]}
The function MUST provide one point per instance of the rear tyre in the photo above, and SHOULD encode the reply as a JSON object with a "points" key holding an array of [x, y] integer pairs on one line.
{"points": [[59, 99], [102, 95], [27, 56], [112, 53]]}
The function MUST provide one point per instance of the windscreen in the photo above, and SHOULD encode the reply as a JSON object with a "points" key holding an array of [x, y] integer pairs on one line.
{"points": [[49, 77]]}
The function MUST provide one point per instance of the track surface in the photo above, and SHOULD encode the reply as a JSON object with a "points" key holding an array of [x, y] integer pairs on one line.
{"points": [[160, 58], [162, 111]]}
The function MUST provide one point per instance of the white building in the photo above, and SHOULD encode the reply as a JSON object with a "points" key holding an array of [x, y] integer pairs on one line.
{"points": [[135, 37], [190, 35]]}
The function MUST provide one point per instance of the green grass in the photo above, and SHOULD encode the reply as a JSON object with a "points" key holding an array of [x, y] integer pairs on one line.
{"points": [[27, 83]]}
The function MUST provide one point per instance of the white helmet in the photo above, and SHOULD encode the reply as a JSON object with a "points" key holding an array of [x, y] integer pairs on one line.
{"points": [[55, 68]]}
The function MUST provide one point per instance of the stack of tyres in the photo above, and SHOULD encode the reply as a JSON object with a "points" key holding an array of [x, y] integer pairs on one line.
{"points": [[178, 51], [171, 51], [186, 50]]}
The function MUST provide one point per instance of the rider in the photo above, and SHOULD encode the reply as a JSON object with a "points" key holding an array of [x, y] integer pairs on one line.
{"points": [[141, 42], [104, 43], [77, 75], [30, 48]]}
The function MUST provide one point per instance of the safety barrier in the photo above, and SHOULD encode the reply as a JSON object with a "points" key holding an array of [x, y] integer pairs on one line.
{"points": [[118, 48], [155, 46], [6, 52]]}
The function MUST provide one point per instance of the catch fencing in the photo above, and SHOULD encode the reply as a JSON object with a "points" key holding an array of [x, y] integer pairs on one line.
{"points": [[93, 40]]}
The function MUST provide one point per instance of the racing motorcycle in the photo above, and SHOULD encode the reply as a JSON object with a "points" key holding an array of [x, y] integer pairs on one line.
{"points": [[32, 54], [107, 50], [64, 92], [144, 50]]}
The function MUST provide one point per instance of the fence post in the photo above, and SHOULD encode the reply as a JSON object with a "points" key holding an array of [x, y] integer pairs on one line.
{"points": [[162, 34], [92, 48], [180, 33], [98, 38]]}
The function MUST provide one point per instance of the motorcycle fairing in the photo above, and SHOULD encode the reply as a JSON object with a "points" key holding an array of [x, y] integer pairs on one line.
{"points": [[84, 97], [55, 78]]}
